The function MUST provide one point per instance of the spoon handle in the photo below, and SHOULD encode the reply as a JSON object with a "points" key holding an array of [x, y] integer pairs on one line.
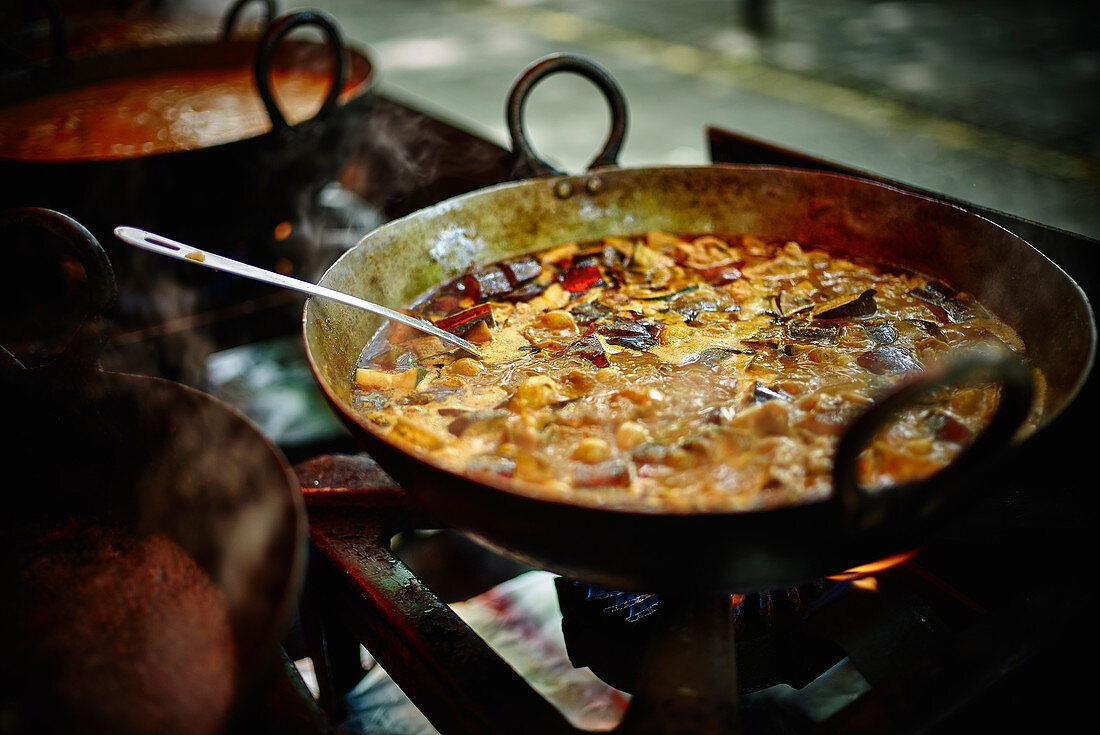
{"points": [[173, 249]]}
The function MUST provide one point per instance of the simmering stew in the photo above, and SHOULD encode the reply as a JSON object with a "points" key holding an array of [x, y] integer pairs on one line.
{"points": [[677, 372]]}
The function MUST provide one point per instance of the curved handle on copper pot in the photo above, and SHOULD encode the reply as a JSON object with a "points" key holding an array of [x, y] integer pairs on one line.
{"points": [[527, 162], [63, 279], [275, 33], [229, 22], [864, 509]]}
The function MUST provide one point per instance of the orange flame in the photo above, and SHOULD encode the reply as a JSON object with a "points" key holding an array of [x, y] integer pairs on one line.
{"points": [[864, 570]]}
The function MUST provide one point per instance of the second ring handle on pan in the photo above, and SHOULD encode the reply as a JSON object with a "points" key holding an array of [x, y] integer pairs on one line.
{"points": [[528, 163], [864, 510], [64, 254], [275, 32]]}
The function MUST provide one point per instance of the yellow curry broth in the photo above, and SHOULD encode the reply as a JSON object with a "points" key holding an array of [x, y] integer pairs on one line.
{"points": [[673, 373]]}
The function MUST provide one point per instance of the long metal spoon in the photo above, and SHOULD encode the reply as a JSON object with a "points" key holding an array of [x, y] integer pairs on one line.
{"points": [[164, 246]]}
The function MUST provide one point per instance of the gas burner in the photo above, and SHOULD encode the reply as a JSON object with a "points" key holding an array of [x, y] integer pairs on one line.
{"points": [[608, 631]]}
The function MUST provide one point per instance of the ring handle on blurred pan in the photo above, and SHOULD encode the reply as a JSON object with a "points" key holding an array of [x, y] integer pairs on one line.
{"points": [[61, 274], [527, 162], [864, 509], [265, 54]]}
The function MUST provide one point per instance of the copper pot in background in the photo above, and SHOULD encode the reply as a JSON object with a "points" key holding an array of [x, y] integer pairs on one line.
{"points": [[221, 195]]}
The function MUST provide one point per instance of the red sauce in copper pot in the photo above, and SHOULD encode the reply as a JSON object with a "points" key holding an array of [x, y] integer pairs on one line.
{"points": [[156, 113]]}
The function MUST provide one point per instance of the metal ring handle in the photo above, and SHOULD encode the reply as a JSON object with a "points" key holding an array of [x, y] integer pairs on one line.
{"points": [[71, 239], [275, 33], [527, 162], [229, 22], [918, 498]]}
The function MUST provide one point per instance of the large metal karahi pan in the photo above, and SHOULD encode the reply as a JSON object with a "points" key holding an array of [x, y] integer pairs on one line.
{"points": [[741, 551], [153, 542], [242, 186]]}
